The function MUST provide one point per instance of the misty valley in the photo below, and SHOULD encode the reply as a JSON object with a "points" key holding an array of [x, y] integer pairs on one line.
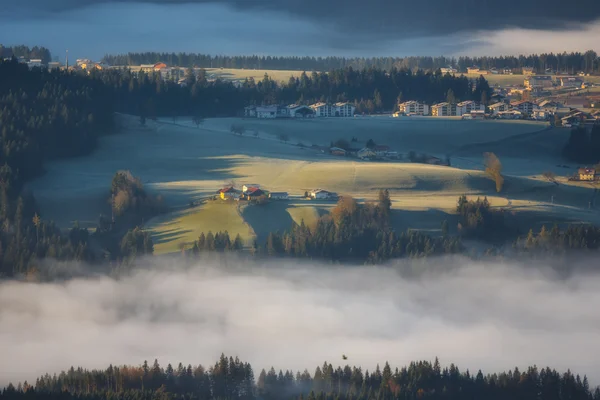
{"points": [[181, 226]]}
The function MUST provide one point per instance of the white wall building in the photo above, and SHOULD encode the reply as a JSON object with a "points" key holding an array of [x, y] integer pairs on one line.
{"points": [[323, 110], [344, 109], [266, 112], [498, 107], [466, 107], [321, 194], [413, 107]]}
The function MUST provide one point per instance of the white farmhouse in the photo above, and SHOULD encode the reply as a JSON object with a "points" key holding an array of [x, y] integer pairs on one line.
{"points": [[321, 194]]}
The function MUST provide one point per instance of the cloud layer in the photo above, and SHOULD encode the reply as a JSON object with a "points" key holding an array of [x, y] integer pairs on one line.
{"points": [[386, 17], [489, 316]]}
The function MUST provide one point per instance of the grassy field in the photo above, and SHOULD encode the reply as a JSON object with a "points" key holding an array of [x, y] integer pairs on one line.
{"points": [[187, 164], [257, 74], [284, 76], [184, 227]]}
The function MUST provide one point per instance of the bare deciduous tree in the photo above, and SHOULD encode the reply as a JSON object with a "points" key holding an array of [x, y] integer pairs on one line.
{"points": [[550, 176]]}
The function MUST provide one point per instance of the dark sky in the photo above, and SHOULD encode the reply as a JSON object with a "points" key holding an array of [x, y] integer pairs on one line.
{"points": [[313, 27]]}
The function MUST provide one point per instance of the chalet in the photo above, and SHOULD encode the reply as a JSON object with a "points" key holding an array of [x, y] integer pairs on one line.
{"points": [[266, 112], [466, 107], [337, 151], [299, 111], [228, 193], [526, 107], [587, 174], [381, 150], [448, 70], [147, 68], [542, 114], [443, 110], [473, 70], [527, 70], [322, 194], [570, 81], [249, 186], [414, 108], [253, 193], [250, 111], [366, 153], [549, 104], [498, 107], [542, 81]]}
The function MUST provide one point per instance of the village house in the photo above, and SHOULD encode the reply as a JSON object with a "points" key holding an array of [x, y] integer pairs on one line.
{"points": [[443, 110], [524, 106], [448, 70], [381, 150], [498, 107], [320, 194], [475, 114], [570, 81], [250, 111], [366, 153], [33, 63], [253, 193], [541, 81], [228, 193], [542, 114], [527, 70], [249, 186], [510, 114], [433, 160], [413, 108], [466, 107], [587, 174], [278, 196], [473, 70], [266, 112], [336, 151]]}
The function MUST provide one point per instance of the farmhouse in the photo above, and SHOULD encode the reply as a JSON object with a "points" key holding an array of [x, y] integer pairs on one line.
{"points": [[278, 196], [228, 193], [570, 81], [381, 150], [526, 107], [587, 174], [266, 112], [322, 194], [448, 70], [250, 111], [466, 107], [443, 110], [249, 186], [542, 114], [498, 107], [473, 70], [336, 151], [414, 108], [542, 81], [366, 153], [253, 193]]}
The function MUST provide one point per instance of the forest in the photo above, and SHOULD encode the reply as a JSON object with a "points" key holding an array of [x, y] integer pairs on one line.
{"points": [[568, 62], [230, 378], [36, 52], [583, 146]]}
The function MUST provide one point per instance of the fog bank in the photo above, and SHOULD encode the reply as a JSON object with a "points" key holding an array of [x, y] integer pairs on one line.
{"points": [[479, 315]]}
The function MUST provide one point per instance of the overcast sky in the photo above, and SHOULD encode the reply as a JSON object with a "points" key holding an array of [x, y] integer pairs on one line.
{"points": [[92, 28]]}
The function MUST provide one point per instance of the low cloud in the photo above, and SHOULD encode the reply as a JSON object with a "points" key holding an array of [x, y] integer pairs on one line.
{"points": [[492, 316]]}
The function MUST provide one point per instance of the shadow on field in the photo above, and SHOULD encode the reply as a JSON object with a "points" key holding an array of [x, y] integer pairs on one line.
{"points": [[428, 221], [268, 218], [169, 235]]}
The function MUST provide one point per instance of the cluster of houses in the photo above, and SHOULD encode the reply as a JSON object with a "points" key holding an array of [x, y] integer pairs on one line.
{"points": [[539, 82], [250, 192], [35, 62], [501, 108], [342, 109], [253, 192], [466, 109], [377, 152]]}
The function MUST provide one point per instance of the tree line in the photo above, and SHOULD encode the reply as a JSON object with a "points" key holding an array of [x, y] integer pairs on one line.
{"points": [[583, 146], [28, 53], [565, 62], [230, 378]]}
